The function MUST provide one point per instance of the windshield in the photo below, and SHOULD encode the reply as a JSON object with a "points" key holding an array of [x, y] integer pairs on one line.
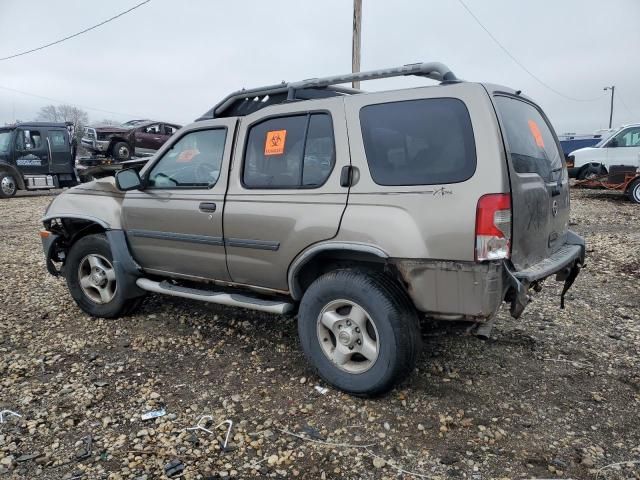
{"points": [[132, 123], [5, 139], [606, 137]]}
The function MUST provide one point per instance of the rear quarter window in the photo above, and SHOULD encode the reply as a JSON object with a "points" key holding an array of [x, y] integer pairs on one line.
{"points": [[529, 138], [419, 142]]}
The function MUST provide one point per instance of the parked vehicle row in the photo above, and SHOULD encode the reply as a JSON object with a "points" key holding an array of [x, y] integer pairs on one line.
{"points": [[336, 204]]}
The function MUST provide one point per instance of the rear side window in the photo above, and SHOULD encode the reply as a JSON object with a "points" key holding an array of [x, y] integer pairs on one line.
{"points": [[58, 139], [290, 152], [529, 139], [419, 142]]}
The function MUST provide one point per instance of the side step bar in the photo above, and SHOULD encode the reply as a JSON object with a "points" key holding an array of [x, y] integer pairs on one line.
{"points": [[230, 299]]}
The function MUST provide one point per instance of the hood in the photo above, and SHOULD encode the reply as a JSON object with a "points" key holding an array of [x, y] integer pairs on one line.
{"points": [[106, 185], [580, 151], [111, 129]]}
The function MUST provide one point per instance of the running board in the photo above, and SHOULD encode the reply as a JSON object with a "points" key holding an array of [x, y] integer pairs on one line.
{"points": [[230, 299]]}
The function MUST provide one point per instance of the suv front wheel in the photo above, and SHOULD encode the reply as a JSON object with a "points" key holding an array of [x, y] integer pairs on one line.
{"points": [[359, 331], [92, 280]]}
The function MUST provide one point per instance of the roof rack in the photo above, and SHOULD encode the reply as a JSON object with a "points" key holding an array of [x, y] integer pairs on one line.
{"points": [[247, 101]]}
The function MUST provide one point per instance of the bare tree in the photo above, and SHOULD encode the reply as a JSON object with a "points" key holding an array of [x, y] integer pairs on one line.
{"points": [[65, 113], [48, 113]]}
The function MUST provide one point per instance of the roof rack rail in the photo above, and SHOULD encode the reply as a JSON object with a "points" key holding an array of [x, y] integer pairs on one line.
{"points": [[291, 91]]}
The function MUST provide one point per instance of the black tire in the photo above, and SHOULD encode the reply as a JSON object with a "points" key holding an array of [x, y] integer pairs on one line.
{"points": [[119, 305], [591, 171], [389, 309], [634, 191], [8, 185], [121, 151]]}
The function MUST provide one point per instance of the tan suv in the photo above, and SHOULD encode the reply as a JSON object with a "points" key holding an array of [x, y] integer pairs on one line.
{"points": [[360, 211]]}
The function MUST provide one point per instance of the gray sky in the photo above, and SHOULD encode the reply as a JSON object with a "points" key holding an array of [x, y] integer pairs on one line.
{"points": [[173, 60]]}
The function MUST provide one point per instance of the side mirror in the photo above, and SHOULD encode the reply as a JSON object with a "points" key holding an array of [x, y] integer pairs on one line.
{"points": [[613, 143], [128, 179]]}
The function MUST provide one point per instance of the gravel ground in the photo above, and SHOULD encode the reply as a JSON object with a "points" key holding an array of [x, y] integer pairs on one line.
{"points": [[555, 394]]}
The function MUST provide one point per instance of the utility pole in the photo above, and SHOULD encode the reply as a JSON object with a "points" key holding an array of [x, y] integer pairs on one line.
{"points": [[613, 89], [355, 47]]}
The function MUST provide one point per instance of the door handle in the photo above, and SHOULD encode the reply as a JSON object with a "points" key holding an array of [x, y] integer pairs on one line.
{"points": [[208, 207]]}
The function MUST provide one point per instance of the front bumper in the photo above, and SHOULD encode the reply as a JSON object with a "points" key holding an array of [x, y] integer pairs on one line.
{"points": [[49, 241], [95, 145]]}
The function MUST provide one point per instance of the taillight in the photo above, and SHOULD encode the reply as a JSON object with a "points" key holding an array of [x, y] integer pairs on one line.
{"points": [[493, 227]]}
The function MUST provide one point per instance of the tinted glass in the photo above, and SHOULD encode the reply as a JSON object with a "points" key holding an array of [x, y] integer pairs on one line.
{"points": [[418, 142], [278, 157], [57, 139], [29, 140], [530, 141], [5, 139], [193, 161]]}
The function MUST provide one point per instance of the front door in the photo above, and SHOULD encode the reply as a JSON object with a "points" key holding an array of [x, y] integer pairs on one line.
{"points": [[624, 148], [31, 151], [148, 139], [284, 189], [174, 225]]}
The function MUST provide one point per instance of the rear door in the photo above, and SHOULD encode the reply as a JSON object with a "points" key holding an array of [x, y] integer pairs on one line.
{"points": [[284, 189], [148, 139], [174, 225], [60, 150], [539, 181]]}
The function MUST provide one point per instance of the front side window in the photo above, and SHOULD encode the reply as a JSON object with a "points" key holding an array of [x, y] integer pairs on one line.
{"points": [[290, 152], [530, 140], [152, 129], [28, 140], [628, 138], [418, 142], [193, 161]]}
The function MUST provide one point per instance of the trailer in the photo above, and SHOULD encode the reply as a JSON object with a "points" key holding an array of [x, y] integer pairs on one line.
{"points": [[623, 178]]}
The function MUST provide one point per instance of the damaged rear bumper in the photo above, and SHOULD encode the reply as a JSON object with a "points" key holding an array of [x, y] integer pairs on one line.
{"points": [[565, 264], [451, 290]]}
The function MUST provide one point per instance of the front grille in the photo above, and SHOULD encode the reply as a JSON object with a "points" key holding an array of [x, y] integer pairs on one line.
{"points": [[90, 133]]}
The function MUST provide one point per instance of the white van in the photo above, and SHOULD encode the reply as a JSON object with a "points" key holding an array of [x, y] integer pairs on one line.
{"points": [[620, 148]]}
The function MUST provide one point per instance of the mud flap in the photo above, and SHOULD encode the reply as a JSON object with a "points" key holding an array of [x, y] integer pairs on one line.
{"points": [[569, 282], [520, 297]]}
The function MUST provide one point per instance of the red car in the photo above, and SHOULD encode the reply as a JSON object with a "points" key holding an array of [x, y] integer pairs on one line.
{"points": [[134, 138]]}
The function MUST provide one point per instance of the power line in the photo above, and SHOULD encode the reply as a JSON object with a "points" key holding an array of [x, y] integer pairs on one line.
{"points": [[520, 63], [130, 115], [75, 34], [622, 102]]}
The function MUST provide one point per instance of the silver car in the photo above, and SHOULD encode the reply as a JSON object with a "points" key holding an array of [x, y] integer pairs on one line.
{"points": [[359, 212]]}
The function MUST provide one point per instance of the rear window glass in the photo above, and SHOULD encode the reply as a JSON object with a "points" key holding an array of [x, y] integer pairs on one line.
{"points": [[419, 142], [529, 139]]}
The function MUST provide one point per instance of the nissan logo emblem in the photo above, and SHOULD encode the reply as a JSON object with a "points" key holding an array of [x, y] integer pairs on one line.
{"points": [[554, 208]]}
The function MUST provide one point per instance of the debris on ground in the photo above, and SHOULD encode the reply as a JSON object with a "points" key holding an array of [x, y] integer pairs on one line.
{"points": [[555, 394]]}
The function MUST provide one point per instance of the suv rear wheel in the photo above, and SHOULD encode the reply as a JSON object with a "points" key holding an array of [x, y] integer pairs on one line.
{"points": [[92, 280], [359, 331]]}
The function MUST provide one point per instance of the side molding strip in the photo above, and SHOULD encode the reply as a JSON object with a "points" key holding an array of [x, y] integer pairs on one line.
{"points": [[178, 237], [257, 244]]}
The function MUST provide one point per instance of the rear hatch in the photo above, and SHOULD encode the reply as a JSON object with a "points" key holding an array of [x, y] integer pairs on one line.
{"points": [[539, 181]]}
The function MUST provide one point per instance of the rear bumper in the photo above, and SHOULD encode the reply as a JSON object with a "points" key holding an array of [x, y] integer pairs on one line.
{"points": [[474, 291], [565, 264]]}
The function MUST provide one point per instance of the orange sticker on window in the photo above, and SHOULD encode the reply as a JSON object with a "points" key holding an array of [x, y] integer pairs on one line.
{"points": [[535, 131], [274, 144], [187, 155]]}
